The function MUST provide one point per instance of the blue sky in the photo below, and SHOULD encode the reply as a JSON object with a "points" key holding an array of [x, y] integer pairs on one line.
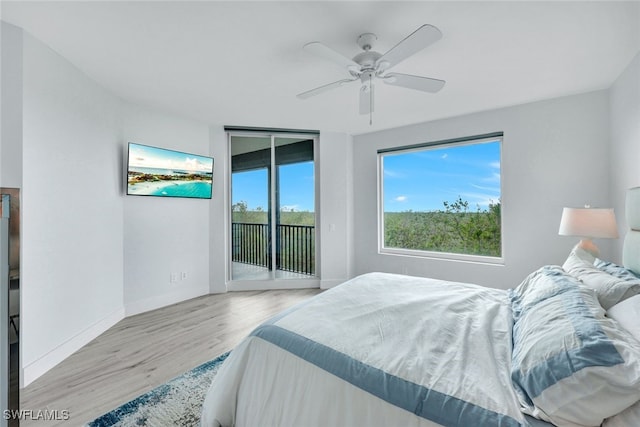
{"points": [[296, 187], [418, 181], [423, 180], [153, 157]]}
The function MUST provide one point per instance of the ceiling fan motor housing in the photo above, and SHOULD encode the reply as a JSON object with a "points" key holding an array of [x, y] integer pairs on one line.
{"points": [[367, 59]]}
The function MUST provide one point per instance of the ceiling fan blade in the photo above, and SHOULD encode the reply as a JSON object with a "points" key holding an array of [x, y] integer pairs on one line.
{"points": [[318, 90], [367, 99], [424, 84], [414, 42], [326, 52]]}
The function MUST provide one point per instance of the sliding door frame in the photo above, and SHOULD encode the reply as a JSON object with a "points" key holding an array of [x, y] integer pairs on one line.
{"points": [[273, 282], [4, 305]]}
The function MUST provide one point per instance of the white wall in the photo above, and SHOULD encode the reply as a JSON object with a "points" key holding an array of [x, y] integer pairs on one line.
{"points": [[164, 236], [624, 142], [336, 207], [554, 154], [90, 252], [11, 107], [72, 226], [219, 211]]}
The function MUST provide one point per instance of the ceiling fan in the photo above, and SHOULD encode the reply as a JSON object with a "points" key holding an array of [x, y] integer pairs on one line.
{"points": [[369, 66]]}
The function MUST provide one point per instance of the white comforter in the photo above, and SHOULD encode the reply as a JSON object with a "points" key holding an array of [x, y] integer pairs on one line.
{"points": [[378, 350]]}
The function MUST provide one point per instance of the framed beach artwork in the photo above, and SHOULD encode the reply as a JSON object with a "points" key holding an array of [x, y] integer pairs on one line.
{"points": [[154, 171]]}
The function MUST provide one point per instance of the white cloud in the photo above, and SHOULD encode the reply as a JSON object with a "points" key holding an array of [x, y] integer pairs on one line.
{"points": [[401, 199], [492, 189], [393, 174], [444, 156], [140, 159], [481, 199], [494, 177]]}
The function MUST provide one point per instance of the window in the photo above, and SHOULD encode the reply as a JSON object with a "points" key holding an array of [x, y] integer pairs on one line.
{"points": [[442, 199]]}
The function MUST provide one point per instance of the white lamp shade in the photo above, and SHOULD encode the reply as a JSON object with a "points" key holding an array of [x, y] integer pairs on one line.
{"points": [[588, 222]]}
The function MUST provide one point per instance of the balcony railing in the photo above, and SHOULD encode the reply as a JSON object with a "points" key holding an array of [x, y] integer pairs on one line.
{"points": [[295, 246], [250, 244]]}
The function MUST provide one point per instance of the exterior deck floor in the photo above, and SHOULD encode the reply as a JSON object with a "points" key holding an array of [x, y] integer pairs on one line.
{"points": [[242, 271]]}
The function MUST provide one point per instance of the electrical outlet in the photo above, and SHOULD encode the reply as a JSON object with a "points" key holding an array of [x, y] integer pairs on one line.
{"points": [[173, 278], [183, 275]]}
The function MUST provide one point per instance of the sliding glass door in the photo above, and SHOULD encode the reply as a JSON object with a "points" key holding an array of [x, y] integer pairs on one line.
{"points": [[273, 212]]}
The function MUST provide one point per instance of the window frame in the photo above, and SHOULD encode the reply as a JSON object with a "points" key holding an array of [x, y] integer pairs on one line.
{"points": [[426, 146]]}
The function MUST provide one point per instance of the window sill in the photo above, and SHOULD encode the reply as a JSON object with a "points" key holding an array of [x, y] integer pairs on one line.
{"points": [[444, 256]]}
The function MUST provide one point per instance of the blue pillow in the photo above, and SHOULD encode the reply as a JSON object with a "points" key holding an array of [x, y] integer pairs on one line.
{"points": [[570, 364]]}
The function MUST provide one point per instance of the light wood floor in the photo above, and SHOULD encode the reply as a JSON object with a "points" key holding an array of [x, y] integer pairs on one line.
{"points": [[146, 350]]}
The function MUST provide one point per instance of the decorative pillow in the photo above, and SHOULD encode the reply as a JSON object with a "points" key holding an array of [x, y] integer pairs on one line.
{"points": [[627, 314], [610, 289], [615, 270], [627, 418], [572, 366]]}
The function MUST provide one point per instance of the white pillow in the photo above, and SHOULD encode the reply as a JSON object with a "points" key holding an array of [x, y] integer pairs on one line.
{"points": [[627, 313], [628, 417], [610, 289]]}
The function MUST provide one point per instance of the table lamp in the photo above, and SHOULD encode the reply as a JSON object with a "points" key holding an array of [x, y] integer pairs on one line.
{"points": [[588, 223]]}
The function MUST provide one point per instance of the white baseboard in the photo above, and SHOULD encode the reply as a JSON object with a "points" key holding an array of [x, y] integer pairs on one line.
{"points": [[328, 284], [159, 301], [38, 367]]}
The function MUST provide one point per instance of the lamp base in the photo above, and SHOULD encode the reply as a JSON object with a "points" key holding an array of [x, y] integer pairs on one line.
{"points": [[589, 246]]}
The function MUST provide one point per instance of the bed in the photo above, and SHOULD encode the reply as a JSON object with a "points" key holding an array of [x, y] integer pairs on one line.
{"points": [[561, 348]]}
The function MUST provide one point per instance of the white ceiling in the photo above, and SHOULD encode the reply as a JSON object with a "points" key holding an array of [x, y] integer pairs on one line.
{"points": [[241, 63]]}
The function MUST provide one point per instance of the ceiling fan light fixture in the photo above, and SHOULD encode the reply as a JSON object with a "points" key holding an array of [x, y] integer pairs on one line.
{"points": [[366, 77]]}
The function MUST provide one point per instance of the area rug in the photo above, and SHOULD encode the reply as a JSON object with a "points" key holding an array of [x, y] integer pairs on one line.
{"points": [[175, 403]]}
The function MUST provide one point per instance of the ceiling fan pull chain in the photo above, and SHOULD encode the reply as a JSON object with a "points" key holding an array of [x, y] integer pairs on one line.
{"points": [[370, 101]]}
